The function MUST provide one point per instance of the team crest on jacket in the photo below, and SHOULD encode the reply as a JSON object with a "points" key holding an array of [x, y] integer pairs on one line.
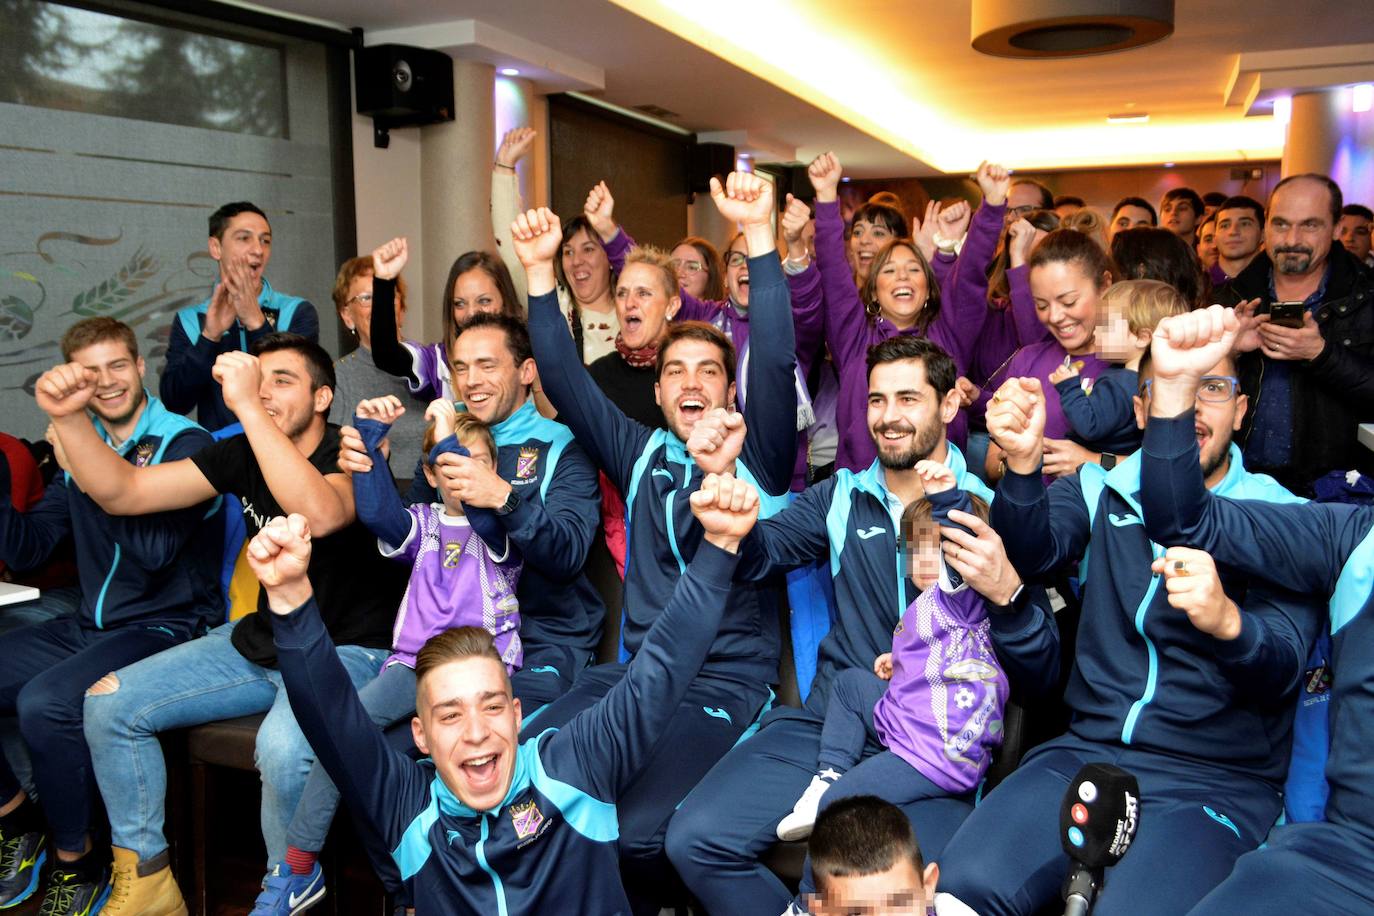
{"points": [[143, 453], [526, 819], [527, 463]]}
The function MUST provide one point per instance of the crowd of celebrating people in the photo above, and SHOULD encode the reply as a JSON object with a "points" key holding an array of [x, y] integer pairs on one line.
{"points": [[1019, 460]]}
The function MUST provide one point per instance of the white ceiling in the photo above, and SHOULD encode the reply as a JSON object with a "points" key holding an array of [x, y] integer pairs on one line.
{"points": [[936, 99]]}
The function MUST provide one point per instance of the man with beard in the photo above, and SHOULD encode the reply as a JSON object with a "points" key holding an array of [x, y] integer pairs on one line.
{"points": [[243, 309], [695, 372], [146, 584], [285, 461], [723, 828], [1310, 386], [1182, 675]]}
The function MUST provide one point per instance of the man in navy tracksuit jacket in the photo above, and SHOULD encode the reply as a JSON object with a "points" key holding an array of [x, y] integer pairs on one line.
{"points": [[147, 583], [720, 832], [242, 309], [1194, 697], [1320, 549], [524, 827], [653, 471]]}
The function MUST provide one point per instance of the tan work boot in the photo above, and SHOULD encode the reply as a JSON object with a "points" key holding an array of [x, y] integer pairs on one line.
{"points": [[156, 894]]}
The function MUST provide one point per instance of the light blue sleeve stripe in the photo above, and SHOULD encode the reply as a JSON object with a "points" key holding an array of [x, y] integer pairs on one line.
{"points": [[413, 851], [594, 819]]}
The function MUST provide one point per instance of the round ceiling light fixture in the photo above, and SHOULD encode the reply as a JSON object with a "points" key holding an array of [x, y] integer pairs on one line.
{"points": [[1068, 28]]}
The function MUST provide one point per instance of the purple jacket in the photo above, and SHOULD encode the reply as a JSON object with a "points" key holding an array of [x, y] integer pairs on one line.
{"points": [[1006, 330], [1038, 361], [942, 712], [850, 331]]}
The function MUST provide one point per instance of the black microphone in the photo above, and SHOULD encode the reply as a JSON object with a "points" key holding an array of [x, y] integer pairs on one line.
{"points": [[1097, 822]]}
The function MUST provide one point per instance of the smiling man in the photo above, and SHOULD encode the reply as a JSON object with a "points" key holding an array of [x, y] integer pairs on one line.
{"points": [[285, 460], [243, 309], [489, 823], [1239, 234], [146, 583], [1184, 673], [695, 369]]}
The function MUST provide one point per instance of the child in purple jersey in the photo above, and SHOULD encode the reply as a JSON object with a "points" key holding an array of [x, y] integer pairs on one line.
{"points": [[935, 701], [464, 572]]}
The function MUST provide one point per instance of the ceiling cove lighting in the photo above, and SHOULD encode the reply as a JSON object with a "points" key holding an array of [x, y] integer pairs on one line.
{"points": [[1128, 117], [508, 71], [1283, 109], [852, 83], [1067, 28], [1362, 98]]}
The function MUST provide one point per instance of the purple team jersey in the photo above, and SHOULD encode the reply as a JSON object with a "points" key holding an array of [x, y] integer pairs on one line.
{"points": [[942, 712], [455, 581]]}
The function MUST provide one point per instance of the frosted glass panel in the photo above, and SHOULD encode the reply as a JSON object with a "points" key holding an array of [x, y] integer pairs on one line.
{"points": [[103, 209]]}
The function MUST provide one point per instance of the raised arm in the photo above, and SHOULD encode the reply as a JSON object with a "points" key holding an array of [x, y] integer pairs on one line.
{"points": [[610, 741], [965, 306], [845, 318], [388, 353], [27, 539], [380, 784], [612, 439], [505, 200], [599, 209], [117, 486], [374, 491], [795, 537], [770, 447]]}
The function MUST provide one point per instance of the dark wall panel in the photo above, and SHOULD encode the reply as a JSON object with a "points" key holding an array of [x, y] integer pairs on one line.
{"points": [[645, 168]]}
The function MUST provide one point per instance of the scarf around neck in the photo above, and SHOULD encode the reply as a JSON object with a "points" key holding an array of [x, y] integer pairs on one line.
{"points": [[641, 358]]}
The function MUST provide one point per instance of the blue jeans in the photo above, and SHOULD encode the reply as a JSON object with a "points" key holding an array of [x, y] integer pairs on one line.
{"points": [[201, 681], [388, 699]]}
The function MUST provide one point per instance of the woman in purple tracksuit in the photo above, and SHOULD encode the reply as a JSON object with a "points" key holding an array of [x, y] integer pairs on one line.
{"points": [[900, 296], [1068, 274], [926, 720]]}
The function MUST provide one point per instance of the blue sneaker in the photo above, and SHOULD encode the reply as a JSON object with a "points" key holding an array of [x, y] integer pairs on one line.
{"points": [[21, 859], [285, 894]]}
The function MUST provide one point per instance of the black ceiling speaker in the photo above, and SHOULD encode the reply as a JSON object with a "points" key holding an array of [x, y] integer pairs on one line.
{"points": [[1067, 28], [401, 86]]}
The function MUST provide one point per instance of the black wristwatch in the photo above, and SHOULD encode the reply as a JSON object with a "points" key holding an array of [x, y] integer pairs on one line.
{"points": [[507, 507], [1013, 605], [1107, 461]]}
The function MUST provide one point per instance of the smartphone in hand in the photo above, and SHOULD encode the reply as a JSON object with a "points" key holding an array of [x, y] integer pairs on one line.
{"points": [[1287, 314]]}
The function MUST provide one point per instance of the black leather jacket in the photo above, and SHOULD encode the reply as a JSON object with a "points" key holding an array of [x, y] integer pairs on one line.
{"points": [[1333, 393]]}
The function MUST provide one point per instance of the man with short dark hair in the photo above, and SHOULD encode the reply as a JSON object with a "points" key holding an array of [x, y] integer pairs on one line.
{"points": [[1239, 235], [654, 469], [1068, 205], [866, 859], [1130, 213], [1180, 211], [146, 584], [1025, 195], [1310, 385], [1211, 202], [242, 309], [284, 461], [1353, 232]]}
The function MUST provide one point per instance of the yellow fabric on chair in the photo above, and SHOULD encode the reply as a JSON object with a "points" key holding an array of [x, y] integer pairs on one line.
{"points": [[243, 587]]}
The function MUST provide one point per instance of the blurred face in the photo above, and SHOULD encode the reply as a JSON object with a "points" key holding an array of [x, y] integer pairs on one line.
{"points": [[1300, 230], [901, 287], [643, 305], [1238, 233], [693, 382], [1022, 199], [1207, 244], [475, 291], [864, 243], [469, 724], [1216, 420], [357, 310], [249, 237], [286, 393], [477, 451], [1129, 217], [923, 556], [737, 273], [1114, 337], [692, 274], [906, 415], [586, 267], [899, 891], [1178, 215], [1353, 231], [1066, 301], [486, 376], [119, 381]]}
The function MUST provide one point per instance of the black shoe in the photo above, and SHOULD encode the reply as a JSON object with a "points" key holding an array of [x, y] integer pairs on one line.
{"points": [[71, 893], [21, 859]]}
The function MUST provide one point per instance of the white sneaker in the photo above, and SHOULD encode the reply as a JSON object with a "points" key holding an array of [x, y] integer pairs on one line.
{"points": [[798, 824]]}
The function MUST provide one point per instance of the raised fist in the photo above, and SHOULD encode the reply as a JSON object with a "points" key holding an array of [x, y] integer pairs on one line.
{"points": [[65, 389], [389, 259], [537, 236], [824, 172]]}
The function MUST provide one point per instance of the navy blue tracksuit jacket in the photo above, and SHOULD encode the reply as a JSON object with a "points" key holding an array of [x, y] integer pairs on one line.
{"points": [[1318, 549], [152, 570], [654, 473], [551, 846], [1144, 676]]}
